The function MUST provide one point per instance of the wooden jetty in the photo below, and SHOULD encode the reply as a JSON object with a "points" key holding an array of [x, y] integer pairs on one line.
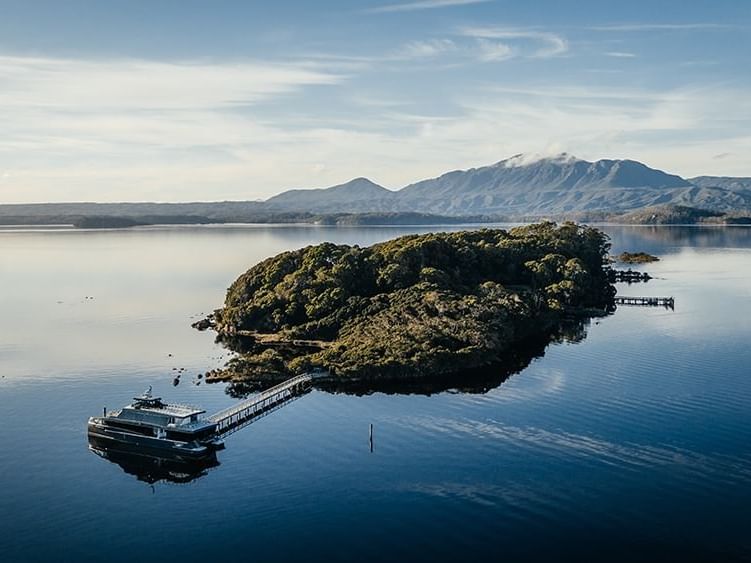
{"points": [[240, 415], [628, 276], [668, 302]]}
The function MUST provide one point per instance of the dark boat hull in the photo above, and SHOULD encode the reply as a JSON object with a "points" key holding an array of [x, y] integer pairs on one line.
{"points": [[161, 447]]}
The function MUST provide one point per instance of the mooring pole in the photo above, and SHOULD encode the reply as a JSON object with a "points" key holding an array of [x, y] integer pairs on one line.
{"points": [[370, 438], [104, 409]]}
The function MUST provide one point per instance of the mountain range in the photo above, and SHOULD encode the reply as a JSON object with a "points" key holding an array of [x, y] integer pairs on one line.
{"points": [[522, 185]]}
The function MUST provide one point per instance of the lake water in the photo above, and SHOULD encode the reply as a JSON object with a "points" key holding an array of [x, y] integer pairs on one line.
{"points": [[634, 443]]}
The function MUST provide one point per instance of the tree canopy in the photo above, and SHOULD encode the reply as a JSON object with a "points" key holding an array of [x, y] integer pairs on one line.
{"points": [[415, 305]]}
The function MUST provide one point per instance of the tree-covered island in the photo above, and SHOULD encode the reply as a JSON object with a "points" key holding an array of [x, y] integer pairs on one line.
{"points": [[637, 258], [416, 306]]}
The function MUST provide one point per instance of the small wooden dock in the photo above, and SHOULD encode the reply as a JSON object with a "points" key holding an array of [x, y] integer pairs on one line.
{"points": [[667, 302], [237, 416], [628, 276]]}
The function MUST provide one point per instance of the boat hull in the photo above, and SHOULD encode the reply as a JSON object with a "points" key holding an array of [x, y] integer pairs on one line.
{"points": [[160, 446]]}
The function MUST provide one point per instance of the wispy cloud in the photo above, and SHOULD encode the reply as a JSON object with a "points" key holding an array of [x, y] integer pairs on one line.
{"points": [[142, 84], [483, 46], [428, 48], [659, 26], [208, 154], [465, 45], [547, 44], [136, 129], [596, 121], [620, 54], [492, 51], [699, 63], [423, 5], [92, 128]]}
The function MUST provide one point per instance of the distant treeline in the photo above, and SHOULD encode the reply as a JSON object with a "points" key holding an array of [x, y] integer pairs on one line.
{"points": [[101, 221], [108, 222], [125, 221], [404, 218], [123, 215]]}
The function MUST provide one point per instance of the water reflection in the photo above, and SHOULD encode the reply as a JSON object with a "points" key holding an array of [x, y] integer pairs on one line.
{"points": [[589, 452], [152, 469], [659, 239]]}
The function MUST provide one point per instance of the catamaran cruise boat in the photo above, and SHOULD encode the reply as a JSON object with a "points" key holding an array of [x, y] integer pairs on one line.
{"points": [[150, 424]]}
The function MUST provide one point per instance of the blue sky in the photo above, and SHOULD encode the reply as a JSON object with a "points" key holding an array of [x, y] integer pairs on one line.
{"points": [[198, 100]]}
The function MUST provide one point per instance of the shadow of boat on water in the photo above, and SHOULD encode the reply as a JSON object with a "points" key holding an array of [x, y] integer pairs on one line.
{"points": [[152, 468]]}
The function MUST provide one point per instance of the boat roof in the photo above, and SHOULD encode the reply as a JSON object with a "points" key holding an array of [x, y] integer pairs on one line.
{"points": [[178, 411], [147, 402]]}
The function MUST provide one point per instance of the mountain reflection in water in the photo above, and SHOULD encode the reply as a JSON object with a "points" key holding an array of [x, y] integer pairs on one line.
{"points": [[152, 469]]}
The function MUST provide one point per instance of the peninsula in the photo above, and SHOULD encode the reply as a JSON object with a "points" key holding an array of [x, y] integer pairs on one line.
{"points": [[416, 306]]}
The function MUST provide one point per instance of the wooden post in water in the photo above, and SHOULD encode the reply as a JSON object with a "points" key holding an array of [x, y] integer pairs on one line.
{"points": [[370, 437]]}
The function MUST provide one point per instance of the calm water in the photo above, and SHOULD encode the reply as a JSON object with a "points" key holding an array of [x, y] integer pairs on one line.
{"points": [[634, 443]]}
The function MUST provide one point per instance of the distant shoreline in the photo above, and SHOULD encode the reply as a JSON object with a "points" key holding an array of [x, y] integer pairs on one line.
{"points": [[90, 216], [70, 227]]}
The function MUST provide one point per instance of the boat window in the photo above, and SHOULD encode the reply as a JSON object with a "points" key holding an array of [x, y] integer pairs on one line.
{"points": [[193, 417], [172, 420]]}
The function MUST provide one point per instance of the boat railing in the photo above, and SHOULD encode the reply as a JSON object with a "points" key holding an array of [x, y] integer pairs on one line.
{"points": [[183, 406], [176, 407]]}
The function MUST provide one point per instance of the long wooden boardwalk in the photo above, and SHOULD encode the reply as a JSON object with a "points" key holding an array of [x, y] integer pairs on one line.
{"points": [[646, 301], [240, 415]]}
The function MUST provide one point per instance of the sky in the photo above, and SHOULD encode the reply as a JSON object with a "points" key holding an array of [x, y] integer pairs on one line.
{"points": [[198, 100]]}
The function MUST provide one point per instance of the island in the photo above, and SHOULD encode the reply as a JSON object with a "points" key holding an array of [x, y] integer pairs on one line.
{"points": [[637, 258], [416, 306]]}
